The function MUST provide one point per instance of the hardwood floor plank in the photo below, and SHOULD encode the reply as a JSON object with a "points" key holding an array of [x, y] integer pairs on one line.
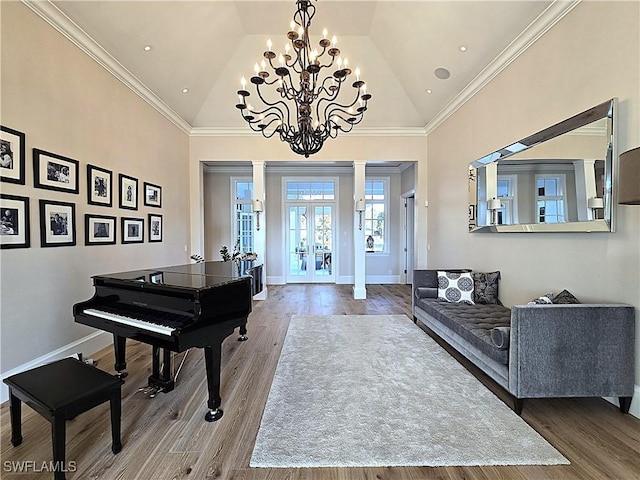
{"points": [[167, 438]]}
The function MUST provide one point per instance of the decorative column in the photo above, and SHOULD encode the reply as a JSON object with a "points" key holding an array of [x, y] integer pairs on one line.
{"points": [[359, 289], [260, 218], [196, 209]]}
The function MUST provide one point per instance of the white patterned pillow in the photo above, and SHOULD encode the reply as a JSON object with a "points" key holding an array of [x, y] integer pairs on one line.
{"points": [[455, 287]]}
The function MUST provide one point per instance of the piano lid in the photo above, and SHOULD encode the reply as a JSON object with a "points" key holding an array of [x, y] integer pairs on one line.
{"points": [[191, 276]]}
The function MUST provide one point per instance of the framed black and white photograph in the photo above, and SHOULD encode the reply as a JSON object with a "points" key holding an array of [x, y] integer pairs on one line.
{"points": [[57, 224], [155, 227], [132, 230], [14, 230], [99, 229], [12, 156], [99, 187], [54, 172], [152, 195], [128, 192]]}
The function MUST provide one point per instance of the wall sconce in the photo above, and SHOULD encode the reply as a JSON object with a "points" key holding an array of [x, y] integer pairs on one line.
{"points": [[629, 177], [258, 207], [493, 206], [360, 210]]}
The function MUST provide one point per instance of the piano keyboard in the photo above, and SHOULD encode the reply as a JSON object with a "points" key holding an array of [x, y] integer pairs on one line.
{"points": [[133, 322]]}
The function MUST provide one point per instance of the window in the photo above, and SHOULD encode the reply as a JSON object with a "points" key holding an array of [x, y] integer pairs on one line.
{"points": [[243, 213], [508, 213], [550, 202], [375, 227]]}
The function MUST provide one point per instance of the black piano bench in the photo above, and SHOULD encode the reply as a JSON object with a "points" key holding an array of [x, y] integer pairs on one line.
{"points": [[59, 391]]}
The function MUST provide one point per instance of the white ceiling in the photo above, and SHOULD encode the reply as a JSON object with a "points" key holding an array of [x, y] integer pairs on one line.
{"points": [[207, 46]]}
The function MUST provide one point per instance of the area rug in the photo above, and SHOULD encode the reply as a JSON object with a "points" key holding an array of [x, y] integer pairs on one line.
{"points": [[375, 390]]}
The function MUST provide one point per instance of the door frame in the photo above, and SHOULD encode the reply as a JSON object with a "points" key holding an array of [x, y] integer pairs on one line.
{"points": [[310, 204]]}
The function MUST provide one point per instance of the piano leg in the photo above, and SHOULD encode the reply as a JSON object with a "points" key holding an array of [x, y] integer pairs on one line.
{"points": [[160, 381], [212, 360], [243, 333], [119, 349]]}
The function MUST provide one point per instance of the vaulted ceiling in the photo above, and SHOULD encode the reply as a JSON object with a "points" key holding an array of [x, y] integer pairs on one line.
{"points": [[205, 47]]}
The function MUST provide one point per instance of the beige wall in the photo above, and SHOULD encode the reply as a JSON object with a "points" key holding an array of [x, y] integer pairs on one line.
{"points": [[67, 104], [218, 230], [592, 55]]}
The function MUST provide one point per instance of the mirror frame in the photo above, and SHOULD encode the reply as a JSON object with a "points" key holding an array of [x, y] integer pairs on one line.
{"points": [[608, 109]]}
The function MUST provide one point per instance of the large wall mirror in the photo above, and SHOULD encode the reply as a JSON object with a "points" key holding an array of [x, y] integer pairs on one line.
{"points": [[557, 180]]}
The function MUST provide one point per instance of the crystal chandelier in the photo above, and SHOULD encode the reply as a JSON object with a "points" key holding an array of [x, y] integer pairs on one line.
{"points": [[302, 107]]}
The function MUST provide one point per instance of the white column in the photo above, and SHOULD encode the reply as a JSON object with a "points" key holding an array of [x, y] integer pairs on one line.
{"points": [[585, 174], [196, 209], [359, 289], [260, 239]]}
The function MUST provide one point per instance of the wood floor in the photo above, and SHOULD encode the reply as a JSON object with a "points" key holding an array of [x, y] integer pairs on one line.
{"points": [[167, 438]]}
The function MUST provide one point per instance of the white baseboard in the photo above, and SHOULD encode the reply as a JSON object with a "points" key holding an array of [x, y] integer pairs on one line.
{"points": [[275, 281], [87, 346]]}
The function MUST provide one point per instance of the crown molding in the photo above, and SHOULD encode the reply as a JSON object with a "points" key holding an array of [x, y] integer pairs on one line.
{"points": [[67, 27], [63, 24], [536, 29], [359, 132]]}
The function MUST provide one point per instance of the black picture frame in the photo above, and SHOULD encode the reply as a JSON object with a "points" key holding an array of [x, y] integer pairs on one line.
{"points": [[12, 158], [132, 230], [55, 172], [57, 224], [99, 229], [152, 195], [99, 186], [155, 227], [128, 192], [14, 230]]}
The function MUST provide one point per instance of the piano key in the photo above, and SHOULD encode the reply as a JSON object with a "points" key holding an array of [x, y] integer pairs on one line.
{"points": [[133, 322]]}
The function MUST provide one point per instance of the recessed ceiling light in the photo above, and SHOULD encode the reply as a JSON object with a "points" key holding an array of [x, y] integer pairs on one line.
{"points": [[429, 91], [185, 90], [147, 48], [442, 73], [463, 48]]}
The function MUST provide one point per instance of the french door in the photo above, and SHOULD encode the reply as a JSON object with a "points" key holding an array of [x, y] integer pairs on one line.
{"points": [[310, 241]]}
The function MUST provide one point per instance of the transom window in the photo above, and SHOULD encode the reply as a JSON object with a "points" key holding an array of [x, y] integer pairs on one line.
{"points": [[311, 190]]}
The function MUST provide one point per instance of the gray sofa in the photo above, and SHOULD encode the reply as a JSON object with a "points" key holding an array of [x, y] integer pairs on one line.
{"points": [[537, 351]]}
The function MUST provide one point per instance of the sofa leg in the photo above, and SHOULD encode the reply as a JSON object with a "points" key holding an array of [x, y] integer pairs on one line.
{"points": [[518, 403], [625, 404]]}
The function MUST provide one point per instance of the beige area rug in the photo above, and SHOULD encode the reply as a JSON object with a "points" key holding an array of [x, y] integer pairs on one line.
{"points": [[375, 390]]}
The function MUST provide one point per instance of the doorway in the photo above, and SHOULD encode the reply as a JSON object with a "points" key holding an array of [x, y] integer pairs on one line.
{"points": [[310, 241]]}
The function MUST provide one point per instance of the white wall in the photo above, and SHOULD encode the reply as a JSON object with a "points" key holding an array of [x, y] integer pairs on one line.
{"points": [[592, 55], [67, 104]]}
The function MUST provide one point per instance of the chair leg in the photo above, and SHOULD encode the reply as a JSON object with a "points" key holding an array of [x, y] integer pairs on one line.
{"points": [[518, 404], [116, 444], [15, 409], [58, 437]]}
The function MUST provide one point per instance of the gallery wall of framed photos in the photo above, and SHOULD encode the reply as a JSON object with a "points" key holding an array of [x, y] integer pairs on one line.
{"points": [[58, 225]]}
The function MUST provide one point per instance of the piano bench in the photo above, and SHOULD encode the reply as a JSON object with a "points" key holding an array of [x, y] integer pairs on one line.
{"points": [[59, 391]]}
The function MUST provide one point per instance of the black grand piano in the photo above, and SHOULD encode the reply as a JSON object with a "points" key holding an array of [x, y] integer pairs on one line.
{"points": [[174, 309]]}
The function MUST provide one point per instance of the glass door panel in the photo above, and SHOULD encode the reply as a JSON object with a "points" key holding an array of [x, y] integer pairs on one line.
{"points": [[309, 243]]}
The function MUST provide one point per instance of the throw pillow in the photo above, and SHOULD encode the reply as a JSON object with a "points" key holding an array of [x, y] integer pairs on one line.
{"points": [[564, 297], [485, 287], [544, 299], [455, 287]]}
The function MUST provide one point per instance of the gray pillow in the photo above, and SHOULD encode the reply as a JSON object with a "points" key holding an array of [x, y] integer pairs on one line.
{"points": [[564, 297], [485, 287]]}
